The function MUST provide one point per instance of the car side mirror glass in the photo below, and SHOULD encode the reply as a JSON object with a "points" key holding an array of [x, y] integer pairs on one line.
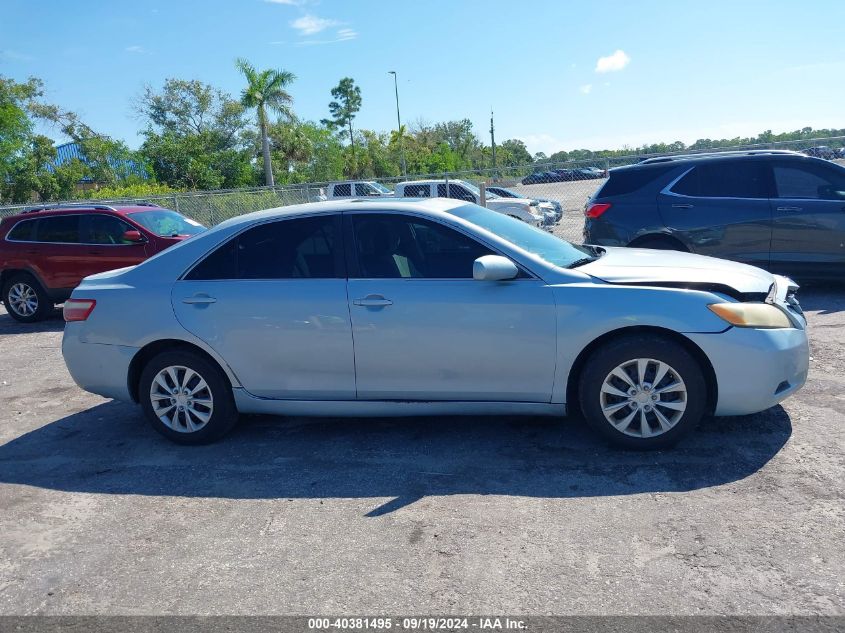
{"points": [[828, 192], [133, 236], [494, 268]]}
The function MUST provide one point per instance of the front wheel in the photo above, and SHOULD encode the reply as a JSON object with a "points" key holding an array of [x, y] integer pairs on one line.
{"points": [[643, 392], [187, 398]]}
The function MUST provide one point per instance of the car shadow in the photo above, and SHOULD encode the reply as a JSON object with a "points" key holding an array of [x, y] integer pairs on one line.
{"points": [[109, 449], [53, 323]]}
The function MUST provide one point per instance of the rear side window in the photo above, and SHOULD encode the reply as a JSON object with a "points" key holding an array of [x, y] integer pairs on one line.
{"points": [[343, 190], [305, 248], [416, 191], [22, 231], [58, 229], [627, 181], [736, 179]]}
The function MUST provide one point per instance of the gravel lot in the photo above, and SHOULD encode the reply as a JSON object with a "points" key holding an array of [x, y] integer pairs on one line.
{"points": [[441, 515]]}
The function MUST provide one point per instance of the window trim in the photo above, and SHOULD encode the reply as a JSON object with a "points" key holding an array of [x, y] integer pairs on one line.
{"points": [[353, 267], [79, 243], [339, 259]]}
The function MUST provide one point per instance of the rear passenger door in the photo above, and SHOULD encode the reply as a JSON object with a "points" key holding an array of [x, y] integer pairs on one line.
{"points": [[272, 302], [722, 209], [57, 253], [809, 219]]}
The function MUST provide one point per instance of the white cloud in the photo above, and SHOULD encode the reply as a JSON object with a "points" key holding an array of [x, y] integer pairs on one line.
{"points": [[311, 24], [586, 89], [136, 49], [613, 63], [342, 35]]}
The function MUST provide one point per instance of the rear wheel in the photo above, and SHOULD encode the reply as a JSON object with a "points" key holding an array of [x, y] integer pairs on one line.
{"points": [[187, 398], [643, 392], [25, 299]]}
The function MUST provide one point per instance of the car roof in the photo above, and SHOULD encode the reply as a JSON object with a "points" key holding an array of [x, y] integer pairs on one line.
{"points": [[436, 181], [685, 159], [68, 209], [424, 205]]}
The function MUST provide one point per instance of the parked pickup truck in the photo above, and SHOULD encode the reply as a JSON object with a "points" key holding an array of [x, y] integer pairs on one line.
{"points": [[357, 189], [529, 211]]}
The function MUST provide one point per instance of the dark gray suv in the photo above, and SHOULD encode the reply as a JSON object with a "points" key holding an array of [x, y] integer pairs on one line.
{"points": [[778, 210]]}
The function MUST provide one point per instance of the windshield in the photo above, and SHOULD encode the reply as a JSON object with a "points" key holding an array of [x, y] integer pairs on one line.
{"points": [[508, 193], [380, 187], [554, 250], [166, 223], [475, 190]]}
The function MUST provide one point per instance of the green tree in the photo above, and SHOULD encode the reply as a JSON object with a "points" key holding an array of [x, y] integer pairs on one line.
{"points": [[196, 136], [15, 121], [343, 109], [265, 91]]}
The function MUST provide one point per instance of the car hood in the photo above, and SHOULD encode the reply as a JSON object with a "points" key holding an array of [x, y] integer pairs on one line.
{"points": [[642, 266], [508, 202]]}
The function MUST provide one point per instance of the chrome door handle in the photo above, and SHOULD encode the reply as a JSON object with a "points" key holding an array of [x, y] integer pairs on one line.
{"points": [[372, 301], [682, 206], [789, 209], [199, 300]]}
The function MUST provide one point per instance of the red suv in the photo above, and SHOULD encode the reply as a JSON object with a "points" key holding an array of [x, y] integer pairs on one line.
{"points": [[45, 253]]}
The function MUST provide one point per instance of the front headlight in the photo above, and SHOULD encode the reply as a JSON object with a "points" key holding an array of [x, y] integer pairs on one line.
{"points": [[761, 315]]}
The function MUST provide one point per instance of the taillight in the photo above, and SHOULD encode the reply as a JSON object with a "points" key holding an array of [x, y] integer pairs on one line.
{"points": [[596, 209], [78, 309]]}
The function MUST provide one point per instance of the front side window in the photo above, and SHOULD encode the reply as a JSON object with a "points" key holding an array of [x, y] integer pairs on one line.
{"points": [[304, 248], [397, 246], [104, 229], [729, 179], [809, 182], [458, 192], [23, 231], [62, 229]]}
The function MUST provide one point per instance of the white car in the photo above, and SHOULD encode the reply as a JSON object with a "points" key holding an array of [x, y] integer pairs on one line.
{"points": [[357, 189], [524, 209]]}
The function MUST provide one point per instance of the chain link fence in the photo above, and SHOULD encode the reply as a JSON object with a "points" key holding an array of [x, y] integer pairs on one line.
{"points": [[567, 185]]}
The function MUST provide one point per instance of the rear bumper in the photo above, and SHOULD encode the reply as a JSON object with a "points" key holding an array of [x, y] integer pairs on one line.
{"points": [[100, 369], [755, 369]]}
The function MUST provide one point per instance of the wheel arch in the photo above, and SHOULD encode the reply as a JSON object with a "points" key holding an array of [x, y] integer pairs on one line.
{"points": [[151, 350], [8, 273], [572, 399], [666, 238]]}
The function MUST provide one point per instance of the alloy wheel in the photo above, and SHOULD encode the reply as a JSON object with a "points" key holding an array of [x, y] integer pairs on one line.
{"points": [[23, 299], [643, 397], [181, 399]]}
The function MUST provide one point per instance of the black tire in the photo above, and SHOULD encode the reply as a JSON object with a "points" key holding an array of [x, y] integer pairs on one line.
{"points": [[660, 244], [44, 305], [224, 414], [617, 353]]}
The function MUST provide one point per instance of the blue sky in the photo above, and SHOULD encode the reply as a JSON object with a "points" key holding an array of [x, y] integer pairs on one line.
{"points": [[559, 74]]}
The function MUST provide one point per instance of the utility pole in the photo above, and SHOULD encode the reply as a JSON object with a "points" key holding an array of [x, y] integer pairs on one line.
{"points": [[493, 141], [399, 123]]}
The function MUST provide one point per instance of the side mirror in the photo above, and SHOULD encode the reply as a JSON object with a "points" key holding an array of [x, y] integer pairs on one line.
{"points": [[494, 268], [133, 236]]}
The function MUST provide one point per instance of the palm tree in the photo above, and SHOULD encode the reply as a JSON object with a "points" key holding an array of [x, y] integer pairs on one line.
{"points": [[265, 91]]}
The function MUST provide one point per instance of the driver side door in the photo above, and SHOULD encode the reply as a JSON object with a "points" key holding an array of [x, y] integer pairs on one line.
{"points": [[808, 236], [425, 330]]}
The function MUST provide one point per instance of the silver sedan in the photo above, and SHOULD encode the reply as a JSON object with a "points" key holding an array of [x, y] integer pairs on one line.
{"points": [[404, 307]]}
